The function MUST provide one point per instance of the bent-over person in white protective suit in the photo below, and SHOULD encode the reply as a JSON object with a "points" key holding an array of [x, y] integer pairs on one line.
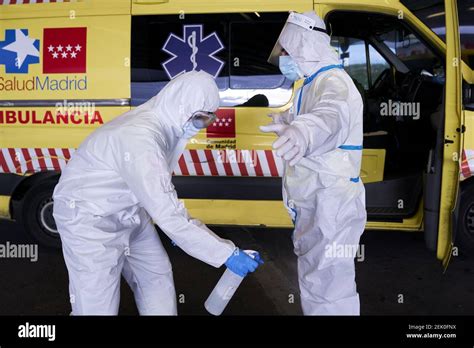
{"points": [[117, 183]]}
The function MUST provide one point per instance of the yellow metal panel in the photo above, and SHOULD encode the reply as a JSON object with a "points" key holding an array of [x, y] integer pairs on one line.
{"points": [[46, 127], [107, 65], [223, 6], [5, 207], [453, 105], [249, 136], [69, 8], [271, 214], [469, 134], [373, 165], [248, 121], [239, 212], [383, 7]]}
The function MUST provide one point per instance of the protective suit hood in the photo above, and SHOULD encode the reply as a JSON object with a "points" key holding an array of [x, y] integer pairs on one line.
{"points": [[167, 113], [310, 49], [182, 96]]}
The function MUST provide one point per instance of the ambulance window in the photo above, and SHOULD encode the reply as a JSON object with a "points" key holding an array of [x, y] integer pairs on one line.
{"points": [[252, 40], [414, 53], [433, 15], [232, 47], [466, 28], [378, 64], [352, 55], [164, 46]]}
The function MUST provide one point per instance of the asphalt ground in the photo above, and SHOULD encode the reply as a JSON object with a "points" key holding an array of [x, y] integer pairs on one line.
{"points": [[397, 276]]}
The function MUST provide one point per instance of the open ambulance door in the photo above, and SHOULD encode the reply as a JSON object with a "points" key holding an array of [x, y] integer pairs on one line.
{"points": [[443, 172]]}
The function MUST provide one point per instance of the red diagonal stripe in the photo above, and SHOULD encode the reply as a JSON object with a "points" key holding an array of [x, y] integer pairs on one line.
{"points": [[3, 163], [258, 167], [16, 163], [196, 162], [67, 154], [227, 166], [271, 162], [40, 157], [241, 161], [211, 162], [54, 159], [182, 166], [29, 163]]}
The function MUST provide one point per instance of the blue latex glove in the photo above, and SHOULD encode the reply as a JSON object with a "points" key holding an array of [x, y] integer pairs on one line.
{"points": [[241, 264]]}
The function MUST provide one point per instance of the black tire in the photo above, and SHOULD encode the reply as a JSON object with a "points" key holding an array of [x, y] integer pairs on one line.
{"points": [[465, 232], [37, 214]]}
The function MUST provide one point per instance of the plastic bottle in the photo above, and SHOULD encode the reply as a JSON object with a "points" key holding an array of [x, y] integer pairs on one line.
{"points": [[225, 289]]}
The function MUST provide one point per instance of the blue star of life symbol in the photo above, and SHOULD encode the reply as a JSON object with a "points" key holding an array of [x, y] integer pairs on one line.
{"points": [[18, 51], [192, 52]]}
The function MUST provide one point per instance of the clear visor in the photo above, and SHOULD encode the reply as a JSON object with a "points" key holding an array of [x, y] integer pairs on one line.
{"points": [[202, 119], [294, 18]]}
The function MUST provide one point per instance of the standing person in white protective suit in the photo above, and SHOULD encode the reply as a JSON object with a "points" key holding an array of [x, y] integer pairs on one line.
{"points": [[321, 143], [117, 182]]}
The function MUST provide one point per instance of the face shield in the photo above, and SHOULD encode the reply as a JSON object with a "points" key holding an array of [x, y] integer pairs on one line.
{"points": [[299, 20], [202, 119], [199, 120]]}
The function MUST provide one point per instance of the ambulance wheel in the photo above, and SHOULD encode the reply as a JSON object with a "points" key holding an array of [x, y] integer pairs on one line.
{"points": [[37, 214], [465, 233]]}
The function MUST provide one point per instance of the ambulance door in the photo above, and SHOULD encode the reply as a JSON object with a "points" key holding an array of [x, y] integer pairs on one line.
{"points": [[443, 170], [452, 135]]}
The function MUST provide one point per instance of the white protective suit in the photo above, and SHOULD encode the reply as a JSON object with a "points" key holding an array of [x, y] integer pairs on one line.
{"points": [[117, 182], [326, 202]]}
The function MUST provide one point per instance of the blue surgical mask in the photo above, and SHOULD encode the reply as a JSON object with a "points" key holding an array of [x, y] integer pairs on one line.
{"points": [[289, 68]]}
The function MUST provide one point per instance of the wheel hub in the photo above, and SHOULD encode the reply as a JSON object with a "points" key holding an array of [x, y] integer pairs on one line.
{"points": [[470, 219], [46, 218]]}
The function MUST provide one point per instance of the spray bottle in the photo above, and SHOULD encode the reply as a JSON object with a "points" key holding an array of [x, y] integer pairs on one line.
{"points": [[225, 289]]}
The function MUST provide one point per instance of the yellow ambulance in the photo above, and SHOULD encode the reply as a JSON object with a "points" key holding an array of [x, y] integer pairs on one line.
{"points": [[66, 67]]}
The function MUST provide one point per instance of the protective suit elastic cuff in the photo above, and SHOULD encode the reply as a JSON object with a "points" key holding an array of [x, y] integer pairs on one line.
{"points": [[232, 250]]}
